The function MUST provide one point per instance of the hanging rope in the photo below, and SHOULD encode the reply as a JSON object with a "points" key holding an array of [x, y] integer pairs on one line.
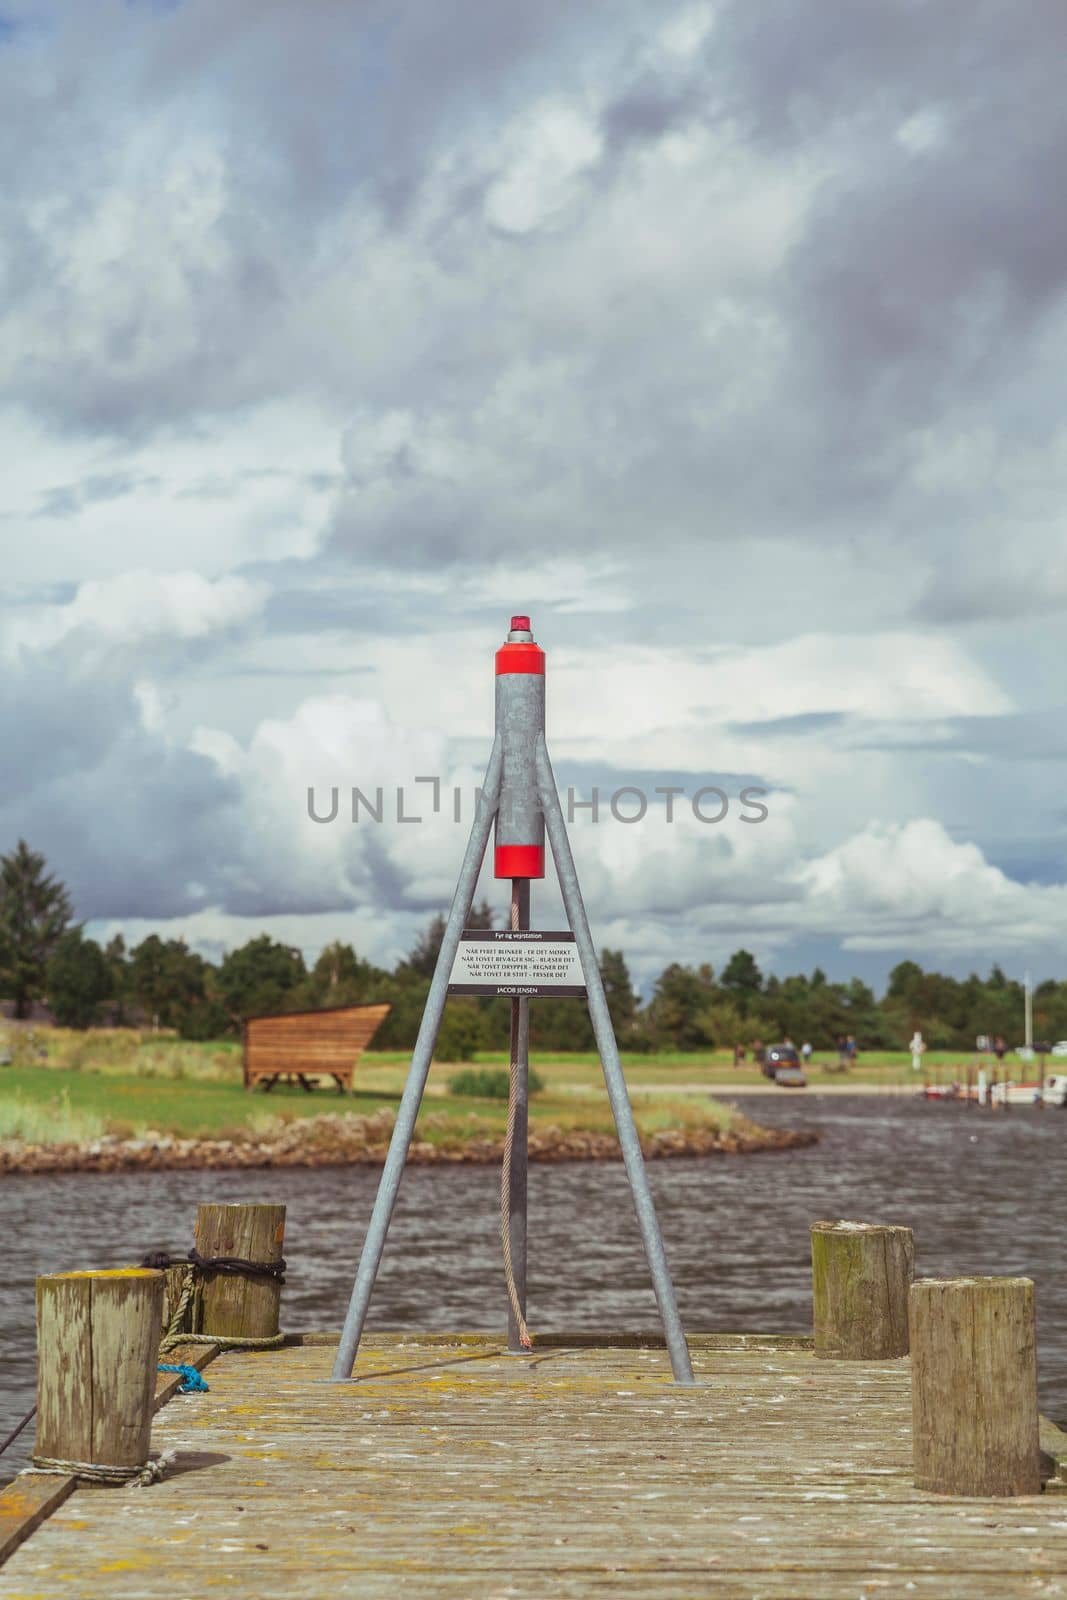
{"points": [[509, 1140], [186, 1320], [181, 1316]]}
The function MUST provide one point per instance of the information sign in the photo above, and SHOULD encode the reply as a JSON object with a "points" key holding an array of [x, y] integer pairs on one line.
{"points": [[533, 962]]}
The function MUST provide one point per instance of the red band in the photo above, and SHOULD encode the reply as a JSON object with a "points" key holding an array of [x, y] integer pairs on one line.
{"points": [[520, 657], [519, 861]]}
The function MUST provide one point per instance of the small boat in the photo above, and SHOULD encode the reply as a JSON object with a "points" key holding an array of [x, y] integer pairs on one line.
{"points": [[1015, 1094], [1052, 1092]]}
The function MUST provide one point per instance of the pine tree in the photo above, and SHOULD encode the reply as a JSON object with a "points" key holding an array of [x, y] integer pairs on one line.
{"points": [[79, 980], [423, 958], [35, 911], [741, 974], [622, 1002], [119, 968]]}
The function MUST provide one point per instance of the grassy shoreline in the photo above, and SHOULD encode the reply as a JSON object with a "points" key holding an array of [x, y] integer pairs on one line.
{"points": [[115, 1097], [69, 1087]]}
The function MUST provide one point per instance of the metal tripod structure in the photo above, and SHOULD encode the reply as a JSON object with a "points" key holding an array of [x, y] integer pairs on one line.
{"points": [[547, 800]]}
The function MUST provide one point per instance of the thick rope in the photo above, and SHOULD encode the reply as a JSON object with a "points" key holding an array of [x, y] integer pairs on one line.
{"points": [[161, 1259], [94, 1472], [273, 1341], [509, 1140], [184, 1323]]}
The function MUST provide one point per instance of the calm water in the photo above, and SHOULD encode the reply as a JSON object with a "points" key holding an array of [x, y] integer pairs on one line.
{"points": [[981, 1190]]}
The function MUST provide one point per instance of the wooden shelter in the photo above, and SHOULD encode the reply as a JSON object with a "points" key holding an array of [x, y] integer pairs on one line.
{"points": [[302, 1045]]}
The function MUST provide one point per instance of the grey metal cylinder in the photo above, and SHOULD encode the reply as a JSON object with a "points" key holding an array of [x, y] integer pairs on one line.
{"points": [[520, 723]]}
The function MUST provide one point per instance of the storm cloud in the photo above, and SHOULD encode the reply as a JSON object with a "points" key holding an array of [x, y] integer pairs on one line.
{"points": [[728, 340]]}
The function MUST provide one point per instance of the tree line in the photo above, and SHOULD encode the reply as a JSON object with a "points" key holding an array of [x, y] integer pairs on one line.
{"points": [[46, 956]]}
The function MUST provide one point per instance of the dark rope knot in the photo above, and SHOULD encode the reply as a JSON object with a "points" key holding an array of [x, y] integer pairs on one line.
{"points": [[160, 1260]]}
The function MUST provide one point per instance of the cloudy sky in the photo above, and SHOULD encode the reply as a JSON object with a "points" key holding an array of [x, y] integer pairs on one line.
{"points": [[728, 340]]}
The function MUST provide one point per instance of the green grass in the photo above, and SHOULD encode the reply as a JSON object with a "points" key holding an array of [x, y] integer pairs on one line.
{"points": [[667, 1067], [56, 1106], [128, 1104], [51, 1119], [124, 1050], [120, 1082]]}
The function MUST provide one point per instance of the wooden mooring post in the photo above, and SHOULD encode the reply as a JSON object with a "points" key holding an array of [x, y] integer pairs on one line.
{"points": [[97, 1344], [861, 1274], [239, 1305], [974, 1386]]}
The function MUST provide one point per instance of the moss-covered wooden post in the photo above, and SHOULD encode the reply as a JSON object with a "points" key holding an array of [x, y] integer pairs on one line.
{"points": [[974, 1386], [236, 1305], [860, 1275], [97, 1344]]}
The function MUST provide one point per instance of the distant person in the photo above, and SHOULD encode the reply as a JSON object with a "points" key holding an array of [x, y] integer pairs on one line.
{"points": [[788, 1043], [1000, 1049], [851, 1050], [759, 1052], [739, 1055], [842, 1051], [805, 1052]]}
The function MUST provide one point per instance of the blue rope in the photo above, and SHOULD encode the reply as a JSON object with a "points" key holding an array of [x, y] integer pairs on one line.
{"points": [[192, 1382]]}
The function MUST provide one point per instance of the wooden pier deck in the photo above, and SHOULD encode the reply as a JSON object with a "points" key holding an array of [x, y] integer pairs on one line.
{"points": [[451, 1468]]}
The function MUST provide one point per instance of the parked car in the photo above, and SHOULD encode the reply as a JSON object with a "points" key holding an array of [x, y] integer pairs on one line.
{"points": [[791, 1078], [1059, 1049], [782, 1063]]}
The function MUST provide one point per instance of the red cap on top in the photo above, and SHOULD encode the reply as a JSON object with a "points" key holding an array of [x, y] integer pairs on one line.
{"points": [[520, 655]]}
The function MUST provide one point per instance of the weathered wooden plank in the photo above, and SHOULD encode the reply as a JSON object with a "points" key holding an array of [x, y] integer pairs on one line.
{"points": [[448, 1468], [25, 1504], [606, 1340]]}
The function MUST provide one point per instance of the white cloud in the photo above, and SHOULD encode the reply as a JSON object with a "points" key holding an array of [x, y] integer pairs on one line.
{"points": [[139, 254], [548, 152], [924, 130], [138, 606], [673, 705], [911, 885], [222, 491], [888, 886], [152, 705], [689, 28]]}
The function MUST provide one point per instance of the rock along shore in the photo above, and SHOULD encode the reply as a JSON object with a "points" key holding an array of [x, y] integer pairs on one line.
{"points": [[340, 1141]]}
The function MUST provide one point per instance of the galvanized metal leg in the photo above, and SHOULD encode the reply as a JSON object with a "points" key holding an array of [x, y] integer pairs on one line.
{"points": [[520, 1055], [600, 1016], [422, 1055]]}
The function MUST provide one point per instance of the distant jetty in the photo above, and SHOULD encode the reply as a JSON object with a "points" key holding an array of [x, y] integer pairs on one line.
{"points": [[341, 1141]]}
